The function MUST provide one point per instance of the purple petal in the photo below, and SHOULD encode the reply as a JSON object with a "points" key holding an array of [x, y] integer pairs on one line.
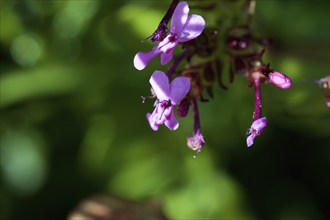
{"points": [[166, 57], [141, 59], [280, 80], [167, 46], [250, 139], [179, 88], [152, 122], [256, 129], [193, 28], [168, 43], [160, 85], [179, 17], [259, 124], [158, 116], [328, 102], [162, 46], [171, 122]]}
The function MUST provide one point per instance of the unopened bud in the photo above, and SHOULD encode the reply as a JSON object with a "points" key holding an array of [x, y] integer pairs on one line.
{"points": [[280, 80], [183, 108], [196, 142]]}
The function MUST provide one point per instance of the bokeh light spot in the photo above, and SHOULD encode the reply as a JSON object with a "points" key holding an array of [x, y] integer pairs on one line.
{"points": [[22, 162], [26, 49], [74, 18]]}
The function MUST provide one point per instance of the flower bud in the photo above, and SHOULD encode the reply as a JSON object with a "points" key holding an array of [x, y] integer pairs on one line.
{"points": [[196, 142], [183, 108], [280, 80]]}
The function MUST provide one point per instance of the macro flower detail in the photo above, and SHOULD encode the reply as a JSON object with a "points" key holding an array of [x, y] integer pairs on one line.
{"points": [[280, 80], [183, 28], [258, 122], [205, 59], [255, 130], [196, 142], [168, 95]]}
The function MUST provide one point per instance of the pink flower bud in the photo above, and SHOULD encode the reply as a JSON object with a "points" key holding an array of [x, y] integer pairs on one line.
{"points": [[196, 142], [280, 80]]}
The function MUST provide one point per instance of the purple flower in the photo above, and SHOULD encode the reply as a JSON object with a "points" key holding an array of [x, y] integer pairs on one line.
{"points": [[280, 80], [183, 28], [168, 95], [196, 142], [255, 130]]}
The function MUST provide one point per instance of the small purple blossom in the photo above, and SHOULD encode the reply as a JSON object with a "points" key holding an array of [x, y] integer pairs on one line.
{"points": [[168, 95], [259, 122], [255, 130], [280, 80], [196, 142], [183, 28]]}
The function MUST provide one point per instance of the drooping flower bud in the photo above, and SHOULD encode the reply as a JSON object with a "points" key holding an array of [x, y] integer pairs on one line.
{"points": [[183, 108], [196, 142], [280, 80]]}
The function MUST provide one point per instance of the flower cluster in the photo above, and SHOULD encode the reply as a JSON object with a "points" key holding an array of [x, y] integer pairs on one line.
{"points": [[183, 29], [242, 47], [203, 69]]}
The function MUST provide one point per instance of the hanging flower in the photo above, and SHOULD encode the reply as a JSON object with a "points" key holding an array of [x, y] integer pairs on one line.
{"points": [[196, 142], [255, 130], [183, 28], [168, 95], [259, 122]]}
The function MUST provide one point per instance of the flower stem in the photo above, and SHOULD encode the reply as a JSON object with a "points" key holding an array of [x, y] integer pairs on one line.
{"points": [[176, 62], [197, 124], [257, 100], [169, 12], [161, 31]]}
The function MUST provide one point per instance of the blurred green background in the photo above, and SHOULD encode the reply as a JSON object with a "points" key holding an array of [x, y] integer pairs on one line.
{"points": [[72, 121]]}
